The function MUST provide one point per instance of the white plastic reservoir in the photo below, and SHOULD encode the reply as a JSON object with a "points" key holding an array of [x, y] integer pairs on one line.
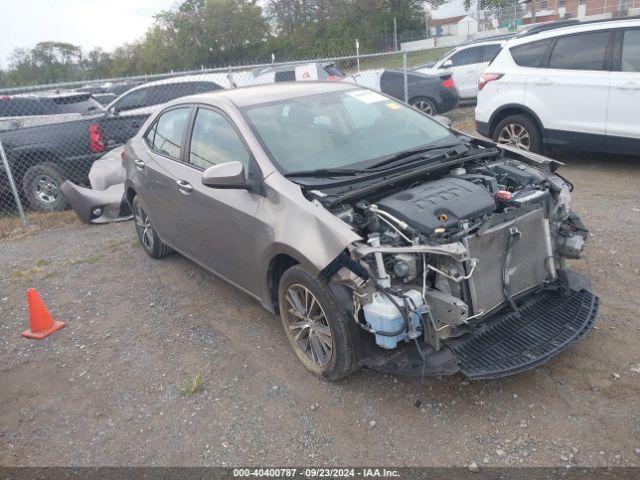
{"points": [[383, 316]]}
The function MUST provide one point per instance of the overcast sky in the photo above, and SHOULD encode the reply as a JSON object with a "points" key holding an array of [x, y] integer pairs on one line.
{"points": [[93, 23], [88, 23]]}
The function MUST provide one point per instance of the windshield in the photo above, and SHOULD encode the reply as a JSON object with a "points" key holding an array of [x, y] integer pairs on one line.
{"points": [[340, 129]]}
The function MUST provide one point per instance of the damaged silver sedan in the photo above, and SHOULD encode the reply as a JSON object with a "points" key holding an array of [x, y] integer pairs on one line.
{"points": [[381, 237]]}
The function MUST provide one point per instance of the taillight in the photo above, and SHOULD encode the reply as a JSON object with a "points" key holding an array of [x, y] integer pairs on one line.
{"points": [[448, 83], [488, 77], [96, 145]]}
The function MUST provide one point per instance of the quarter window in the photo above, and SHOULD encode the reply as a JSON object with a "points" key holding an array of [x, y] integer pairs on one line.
{"points": [[215, 141], [165, 137], [530, 54], [631, 51], [585, 51]]}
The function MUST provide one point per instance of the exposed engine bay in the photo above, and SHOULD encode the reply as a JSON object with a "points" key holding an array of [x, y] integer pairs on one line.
{"points": [[447, 251]]}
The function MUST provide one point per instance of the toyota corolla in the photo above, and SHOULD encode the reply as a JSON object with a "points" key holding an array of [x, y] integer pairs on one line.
{"points": [[380, 236]]}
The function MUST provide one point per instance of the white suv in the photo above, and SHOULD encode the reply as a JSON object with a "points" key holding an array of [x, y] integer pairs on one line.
{"points": [[466, 63], [574, 86]]}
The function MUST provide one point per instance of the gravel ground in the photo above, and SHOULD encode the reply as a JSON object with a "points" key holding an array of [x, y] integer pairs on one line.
{"points": [[109, 388]]}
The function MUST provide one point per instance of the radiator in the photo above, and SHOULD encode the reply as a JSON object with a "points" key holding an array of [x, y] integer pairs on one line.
{"points": [[527, 266]]}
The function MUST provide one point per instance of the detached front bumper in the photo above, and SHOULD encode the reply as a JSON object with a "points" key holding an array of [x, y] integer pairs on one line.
{"points": [[545, 324], [97, 206]]}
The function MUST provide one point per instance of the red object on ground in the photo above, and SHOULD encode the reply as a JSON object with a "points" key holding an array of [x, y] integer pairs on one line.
{"points": [[503, 195], [41, 324]]}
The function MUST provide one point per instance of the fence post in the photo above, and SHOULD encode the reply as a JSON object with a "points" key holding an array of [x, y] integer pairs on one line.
{"points": [[406, 82], [16, 195]]}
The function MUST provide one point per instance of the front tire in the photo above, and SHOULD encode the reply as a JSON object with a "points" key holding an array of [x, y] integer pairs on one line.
{"points": [[315, 324], [519, 131], [147, 235]]}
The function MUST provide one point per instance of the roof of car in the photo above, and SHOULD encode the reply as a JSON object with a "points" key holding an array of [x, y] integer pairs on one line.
{"points": [[255, 95], [555, 30]]}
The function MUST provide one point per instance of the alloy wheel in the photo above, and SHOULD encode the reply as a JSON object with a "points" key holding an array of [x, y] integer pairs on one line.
{"points": [[308, 324], [143, 225], [515, 135], [424, 107]]}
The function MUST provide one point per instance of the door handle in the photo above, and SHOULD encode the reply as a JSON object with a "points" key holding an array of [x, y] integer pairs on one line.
{"points": [[184, 187], [629, 86], [139, 164], [543, 82]]}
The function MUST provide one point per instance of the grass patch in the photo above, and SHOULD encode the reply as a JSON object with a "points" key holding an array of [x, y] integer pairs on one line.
{"points": [[93, 259], [396, 61], [194, 386], [11, 226]]}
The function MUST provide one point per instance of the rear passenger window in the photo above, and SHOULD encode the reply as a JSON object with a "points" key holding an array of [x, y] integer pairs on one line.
{"points": [[580, 52], [631, 51], [165, 137], [530, 54], [490, 52], [215, 141], [468, 56]]}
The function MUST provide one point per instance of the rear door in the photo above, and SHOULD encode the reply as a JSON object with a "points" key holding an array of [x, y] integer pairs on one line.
{"points": [[569, 92], [165, 140], [623, 111]]}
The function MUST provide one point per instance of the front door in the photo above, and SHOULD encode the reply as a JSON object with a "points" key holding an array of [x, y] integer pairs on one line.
{"points": [[218, 227]]}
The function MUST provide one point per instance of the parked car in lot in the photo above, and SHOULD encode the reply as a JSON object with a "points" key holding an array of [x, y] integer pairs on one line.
{"points": [[432, 94], [63, 147], [382, 238], [127, 112], [42, 157], [571, 85], [24, 110], [465, 63]]}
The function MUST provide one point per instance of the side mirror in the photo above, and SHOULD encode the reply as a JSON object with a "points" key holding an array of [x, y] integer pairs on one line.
{"points": [[446, 121], [447, 64], [225, 175]]}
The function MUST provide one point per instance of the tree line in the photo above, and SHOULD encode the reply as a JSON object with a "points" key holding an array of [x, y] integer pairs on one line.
{"points": [[213, 33]]}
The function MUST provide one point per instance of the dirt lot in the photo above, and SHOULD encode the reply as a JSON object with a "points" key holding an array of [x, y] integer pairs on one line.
{"points": [[108, 388]]}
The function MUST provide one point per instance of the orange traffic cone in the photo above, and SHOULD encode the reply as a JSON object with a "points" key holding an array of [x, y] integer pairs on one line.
{"points": [[41, 324]]}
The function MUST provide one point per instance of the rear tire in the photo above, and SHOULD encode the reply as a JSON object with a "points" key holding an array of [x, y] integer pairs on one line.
{"points": [[519, 131], [41, 184], [315, 324], [147, 235], [425, 105]]}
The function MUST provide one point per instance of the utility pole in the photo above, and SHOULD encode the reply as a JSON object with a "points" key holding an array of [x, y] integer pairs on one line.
{"points": [[395, 34], [533, 12]]}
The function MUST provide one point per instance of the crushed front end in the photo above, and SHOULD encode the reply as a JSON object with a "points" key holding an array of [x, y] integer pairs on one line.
{"points": [[464, 269]]}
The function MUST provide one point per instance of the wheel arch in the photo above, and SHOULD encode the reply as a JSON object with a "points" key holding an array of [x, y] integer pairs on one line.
{"points": [[278, 264], [514, 109], [24, 160]]}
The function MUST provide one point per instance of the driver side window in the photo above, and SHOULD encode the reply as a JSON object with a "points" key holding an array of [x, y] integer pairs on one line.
{"points": [[215, 141]]}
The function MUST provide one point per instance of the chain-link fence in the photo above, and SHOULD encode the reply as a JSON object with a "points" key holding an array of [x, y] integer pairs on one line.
{"points": [[55, 133]]}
